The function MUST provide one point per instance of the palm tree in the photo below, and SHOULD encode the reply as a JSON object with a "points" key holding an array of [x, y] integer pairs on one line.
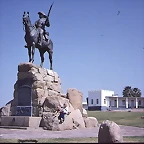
{"points": [[127, 92], [136, 92]]}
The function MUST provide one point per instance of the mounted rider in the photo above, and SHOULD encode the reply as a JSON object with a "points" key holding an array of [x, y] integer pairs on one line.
{"points": [[40, 25]]}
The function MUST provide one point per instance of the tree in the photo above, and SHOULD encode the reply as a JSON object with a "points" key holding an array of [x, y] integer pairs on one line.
{"points": [[127, 92], [131, 92], [136, 92]]}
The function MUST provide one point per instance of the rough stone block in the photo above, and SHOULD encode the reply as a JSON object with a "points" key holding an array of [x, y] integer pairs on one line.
{"points": [[48, 78], [54, 86], [37, 77], [42, 71], [50, 72], [25, 67], [39, 84], [24, 75], [53, 93], [37, 93]]}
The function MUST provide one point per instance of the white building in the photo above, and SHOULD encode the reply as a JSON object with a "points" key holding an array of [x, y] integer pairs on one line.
{"points": [[103, 99]]}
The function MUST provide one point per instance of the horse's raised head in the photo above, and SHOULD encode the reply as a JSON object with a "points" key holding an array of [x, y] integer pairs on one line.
{"points": [[26, 17], [25, 14]]}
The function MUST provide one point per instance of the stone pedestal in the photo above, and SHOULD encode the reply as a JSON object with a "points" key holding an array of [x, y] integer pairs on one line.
{"points": [[34, 84], [21, 121]]}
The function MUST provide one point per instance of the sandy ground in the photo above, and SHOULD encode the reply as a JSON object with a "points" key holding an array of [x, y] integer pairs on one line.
{"points": [[40, 133]]}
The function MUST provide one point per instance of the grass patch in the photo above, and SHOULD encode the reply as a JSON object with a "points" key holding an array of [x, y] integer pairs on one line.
{"points": [[74, 140], [2, 140], [121, 118]]}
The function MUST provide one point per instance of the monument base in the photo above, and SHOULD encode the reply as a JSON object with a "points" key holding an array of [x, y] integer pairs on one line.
{"points": [[21, 121]]}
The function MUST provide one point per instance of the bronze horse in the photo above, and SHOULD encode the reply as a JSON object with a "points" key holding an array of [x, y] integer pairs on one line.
{"points": [[31, 38]]}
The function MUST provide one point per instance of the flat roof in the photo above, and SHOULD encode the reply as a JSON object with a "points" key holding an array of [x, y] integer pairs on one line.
{"points": [[112, 96]]}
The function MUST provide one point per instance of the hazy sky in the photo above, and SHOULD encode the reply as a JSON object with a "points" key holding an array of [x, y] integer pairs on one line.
{"points": [[94, 48]]}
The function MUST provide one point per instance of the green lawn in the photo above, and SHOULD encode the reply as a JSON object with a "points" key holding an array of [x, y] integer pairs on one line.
{"points": [[73, 140], [121, 118]]}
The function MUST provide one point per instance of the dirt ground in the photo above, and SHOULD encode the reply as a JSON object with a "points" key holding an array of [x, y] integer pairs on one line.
{"points": [[40, 133]]}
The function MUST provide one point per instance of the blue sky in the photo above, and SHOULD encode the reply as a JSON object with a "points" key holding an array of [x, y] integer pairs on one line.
{"points": [[94, 48]]}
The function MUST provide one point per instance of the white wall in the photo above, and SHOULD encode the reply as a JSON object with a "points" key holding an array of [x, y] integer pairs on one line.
{"points": [[100, 95], [94, 95], [105, 93]]}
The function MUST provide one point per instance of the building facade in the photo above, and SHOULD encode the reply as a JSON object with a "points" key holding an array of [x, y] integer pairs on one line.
{"points": [[105, 99]]}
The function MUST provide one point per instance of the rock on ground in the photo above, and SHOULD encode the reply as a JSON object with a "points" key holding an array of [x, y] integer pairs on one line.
{"points": [[109, 132], [90, 122]]}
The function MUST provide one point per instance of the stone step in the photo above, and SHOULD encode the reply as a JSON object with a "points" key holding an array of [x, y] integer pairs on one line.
{"points": [[13, 127]]}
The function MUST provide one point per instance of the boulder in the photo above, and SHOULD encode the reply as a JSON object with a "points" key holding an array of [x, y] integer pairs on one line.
{"points": [[90, 122], [66, 125], [72, 121], [7, 109], [48, 121], [75, 97], [51, 102], [109, 132], [77, 118]]}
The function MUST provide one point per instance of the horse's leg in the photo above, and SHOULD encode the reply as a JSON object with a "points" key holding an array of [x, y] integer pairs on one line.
{"points": [[50, 59], [33, 52], [29, 53], [42, 57]]}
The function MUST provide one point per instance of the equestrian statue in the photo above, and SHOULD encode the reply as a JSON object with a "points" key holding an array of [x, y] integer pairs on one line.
{"points": [[37, 37]]}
